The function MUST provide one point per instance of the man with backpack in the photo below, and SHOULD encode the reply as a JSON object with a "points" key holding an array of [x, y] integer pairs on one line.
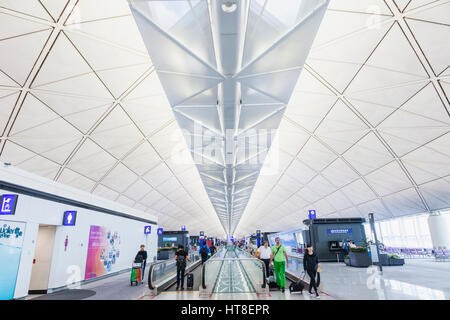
{"points": [[280, 263], [212, 249], [180, 257], [141, 257], [204, 252]]}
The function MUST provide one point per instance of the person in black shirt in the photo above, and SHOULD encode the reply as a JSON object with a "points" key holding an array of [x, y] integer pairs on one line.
{"points": [[310, 265], [213, 249], [143, 257], [180, 257]]}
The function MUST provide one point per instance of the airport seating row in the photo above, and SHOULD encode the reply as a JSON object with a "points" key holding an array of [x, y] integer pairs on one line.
{"points": [[438, 254]]}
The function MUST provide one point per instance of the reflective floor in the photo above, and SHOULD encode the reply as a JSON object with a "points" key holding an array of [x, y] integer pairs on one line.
{"points": [[418, 279]]}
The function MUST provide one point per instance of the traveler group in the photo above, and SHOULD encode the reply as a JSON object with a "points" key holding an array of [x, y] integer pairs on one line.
{"points": [[275, 256], [276, 261]]}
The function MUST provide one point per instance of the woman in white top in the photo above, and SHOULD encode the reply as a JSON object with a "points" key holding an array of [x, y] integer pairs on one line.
{"points": [[264, 254]]}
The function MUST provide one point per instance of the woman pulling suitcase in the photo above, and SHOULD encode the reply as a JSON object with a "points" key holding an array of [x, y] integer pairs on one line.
{"points": [[311, 265]]}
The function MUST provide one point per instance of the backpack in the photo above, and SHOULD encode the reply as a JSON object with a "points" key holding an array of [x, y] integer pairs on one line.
{"points": [[181, 261], [138, 259], [204, 252]]}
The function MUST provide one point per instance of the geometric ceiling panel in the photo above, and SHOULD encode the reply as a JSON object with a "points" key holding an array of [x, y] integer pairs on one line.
{"points": [[437, 13], [341, 128], [339, 53], [433, 47], [31, 8], [54, 7], [28, 47], [368, 154], [437, 193], [246, 86], [393, 62], [7, 102], [93, 113]]}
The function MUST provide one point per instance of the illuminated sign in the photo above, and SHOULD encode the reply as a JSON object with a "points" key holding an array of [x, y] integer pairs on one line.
{"points": [[8, 204], [339, 231], [169, 239], [69, 218]]}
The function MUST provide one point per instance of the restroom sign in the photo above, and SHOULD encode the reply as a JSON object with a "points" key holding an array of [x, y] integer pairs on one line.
{"points": [[8, 204], [69, 218]]}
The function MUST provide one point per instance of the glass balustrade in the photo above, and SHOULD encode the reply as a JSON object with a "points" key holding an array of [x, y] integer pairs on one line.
{"points": [[233, 271], [162, 271]]}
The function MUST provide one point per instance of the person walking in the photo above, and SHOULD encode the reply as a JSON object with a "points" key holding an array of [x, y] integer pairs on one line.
{"points": [[212, 249], [310, 266], [264, 252], [180, 257], [345, 245], [204, 252], [280, 263], [142, 254]]}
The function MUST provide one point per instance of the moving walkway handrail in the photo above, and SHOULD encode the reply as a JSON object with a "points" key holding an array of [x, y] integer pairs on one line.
{"points": [[203, 266], [154, 264], [236, 259]]}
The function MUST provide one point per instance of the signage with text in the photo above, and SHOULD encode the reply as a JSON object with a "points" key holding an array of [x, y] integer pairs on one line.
{"points": [[70, 218], [8, 204], [339, 231]]}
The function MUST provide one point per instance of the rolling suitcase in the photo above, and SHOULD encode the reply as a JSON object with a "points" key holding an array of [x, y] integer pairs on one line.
{"points": [[297, 286], [272, 284], [190, 280]]}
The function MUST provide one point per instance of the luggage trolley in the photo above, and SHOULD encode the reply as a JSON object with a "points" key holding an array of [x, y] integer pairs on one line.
{"points": [[136, 273]]}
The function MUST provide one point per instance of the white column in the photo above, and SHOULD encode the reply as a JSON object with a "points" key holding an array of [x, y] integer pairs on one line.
{"points": [[439, 225]]}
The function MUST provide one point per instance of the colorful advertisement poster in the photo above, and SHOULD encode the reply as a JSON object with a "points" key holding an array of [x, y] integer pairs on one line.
{"points": [[103, 251], [11, 241], [287, 239]]}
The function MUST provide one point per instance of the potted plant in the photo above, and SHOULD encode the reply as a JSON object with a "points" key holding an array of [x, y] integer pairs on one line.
{"points": [[347, 260], [395, 260], [359, 257]]}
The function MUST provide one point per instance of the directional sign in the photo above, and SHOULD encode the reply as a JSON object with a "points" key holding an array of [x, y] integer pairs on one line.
{"points": [[8, 204], [70, 218], [147, 229]]}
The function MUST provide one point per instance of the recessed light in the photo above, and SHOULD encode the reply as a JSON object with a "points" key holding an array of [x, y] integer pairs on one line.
{"points": [[229, 6]]}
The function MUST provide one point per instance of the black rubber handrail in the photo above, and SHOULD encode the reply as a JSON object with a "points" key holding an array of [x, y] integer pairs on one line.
{"points": [[150, 272]]}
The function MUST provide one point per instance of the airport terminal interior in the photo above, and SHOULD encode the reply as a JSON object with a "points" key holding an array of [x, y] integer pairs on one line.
{"points": [[224, 150]]}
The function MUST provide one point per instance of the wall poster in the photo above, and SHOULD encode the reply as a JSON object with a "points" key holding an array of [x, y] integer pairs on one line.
{"points": [[103, 251], [11, 241]]}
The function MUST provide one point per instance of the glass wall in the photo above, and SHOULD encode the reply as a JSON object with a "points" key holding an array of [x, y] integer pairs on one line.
{"points": [[403, 232]]}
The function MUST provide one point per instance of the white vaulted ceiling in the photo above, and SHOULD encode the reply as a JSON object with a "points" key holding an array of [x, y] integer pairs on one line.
{"points": [[80, 104], [366, 128]]}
